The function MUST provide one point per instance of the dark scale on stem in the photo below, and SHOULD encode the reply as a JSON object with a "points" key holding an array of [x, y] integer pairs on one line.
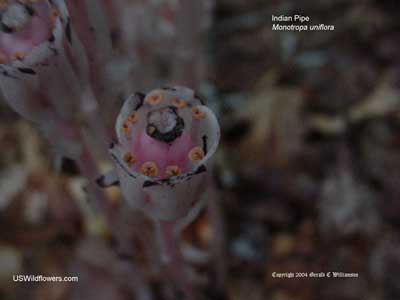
{"points": [[200, 170], [141, 97], [149, 183], [30, 10], [54, 50], [205, 147], [199, 98], [68, 31], [101, 182], [27, 71], [168, 88]]}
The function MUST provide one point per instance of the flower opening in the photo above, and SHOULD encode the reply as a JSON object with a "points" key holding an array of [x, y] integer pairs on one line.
{"points": [[171, 147]]}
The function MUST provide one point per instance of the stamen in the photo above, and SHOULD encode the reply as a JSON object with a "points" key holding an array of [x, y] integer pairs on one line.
{"points": [[18, 56], [171, 171], [149, 169], [125, 128], [178, 103], [129, 159], [151, 129], [154, 99], [54, 15], [3, 58], [196, 154], [133, 117], [197, 113]]}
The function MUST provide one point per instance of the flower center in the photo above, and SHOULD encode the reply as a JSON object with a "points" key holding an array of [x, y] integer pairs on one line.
{"points": [[165, 124], [16, 17]]}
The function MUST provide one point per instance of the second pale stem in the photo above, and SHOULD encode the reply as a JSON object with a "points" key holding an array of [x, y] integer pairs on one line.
{"points": [[173, 259]]}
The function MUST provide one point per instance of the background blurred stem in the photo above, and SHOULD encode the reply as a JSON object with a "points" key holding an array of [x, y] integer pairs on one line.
{"points": [[173, 259], [217, 246], [88, 167], [187, 67]]}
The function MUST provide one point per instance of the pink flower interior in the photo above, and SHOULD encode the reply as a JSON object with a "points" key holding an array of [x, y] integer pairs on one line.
{"points": [[167, 145], [24, 27], [175, 154]]}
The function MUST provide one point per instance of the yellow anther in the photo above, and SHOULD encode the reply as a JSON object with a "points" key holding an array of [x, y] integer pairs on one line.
{"points": [[171, 171], [178, 103], [154, 99], [129, 158], [3, 58], [151, 130], [196, 154], [133, 117], [18, 56], [198, 114], [149, 169], [54, 15], [125, 128]]}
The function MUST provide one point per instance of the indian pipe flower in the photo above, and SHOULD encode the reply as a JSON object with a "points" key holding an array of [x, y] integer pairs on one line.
{"points": [[31, 41], [92, 27], [166, 140], [42, 69]]}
